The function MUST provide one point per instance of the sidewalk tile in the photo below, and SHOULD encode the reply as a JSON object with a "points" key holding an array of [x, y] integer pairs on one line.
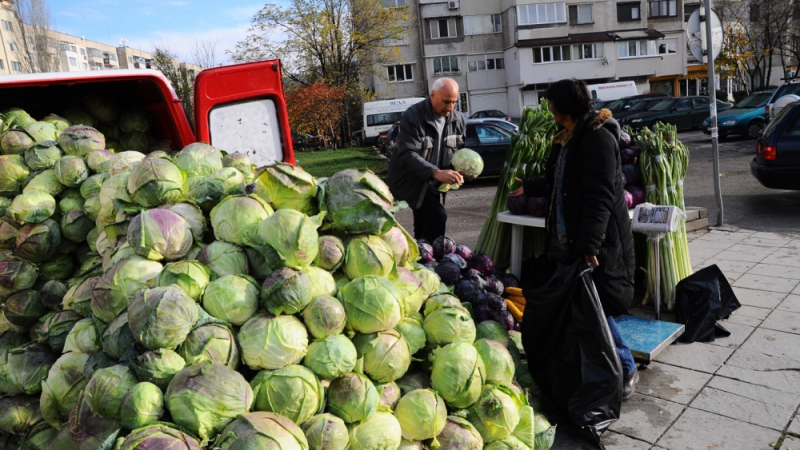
{"points": [[790, 303], [790, 442], [783, 321], [760, 299], [697, 257], [700, 430], [731, 266], [732, 277], [696, 356], [646, 418], [570, 441], [730, 255], [772, 270], [747, 402], [794, 427], [796, 291], [749, 315], [753, 249], [739, 334], [764, 242], [767, 283], [671, 383], [763, 370], [774, 343], [784, 257], [618, 441], [710, 244], [774, 236], [721, 236]]}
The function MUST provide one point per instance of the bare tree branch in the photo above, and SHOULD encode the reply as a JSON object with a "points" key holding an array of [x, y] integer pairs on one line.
{"points": [[204, 53], [36, 46]]}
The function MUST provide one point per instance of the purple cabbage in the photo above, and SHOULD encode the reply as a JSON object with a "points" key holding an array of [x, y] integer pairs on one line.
{"points": [[425, 252], [430, 265], [628, 156], [448, 272], [495, 302], [537, 206], [498, 287], [517, 205], [443, 245], [467, 291], [637, 194], [624, 180], [464, 252], [635, 149], [510, 280], [624, 139], [632, 175], [505, 319], [455, 259], [517, 327], [628, 199], [482, 263], [482, 313]]}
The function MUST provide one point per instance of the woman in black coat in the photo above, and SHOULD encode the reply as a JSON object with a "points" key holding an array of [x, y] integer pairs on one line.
{"points": [[587, 216]]}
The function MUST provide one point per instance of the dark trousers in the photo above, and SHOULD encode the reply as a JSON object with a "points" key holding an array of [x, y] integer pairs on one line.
{"points": [[430, 219]]}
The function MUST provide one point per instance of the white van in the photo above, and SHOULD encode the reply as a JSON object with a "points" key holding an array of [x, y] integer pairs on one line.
{"points": [[379, 116], [612, 91]]}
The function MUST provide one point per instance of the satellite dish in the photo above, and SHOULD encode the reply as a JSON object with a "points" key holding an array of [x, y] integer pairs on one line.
{"points": [[697, 36], [782, 102]]}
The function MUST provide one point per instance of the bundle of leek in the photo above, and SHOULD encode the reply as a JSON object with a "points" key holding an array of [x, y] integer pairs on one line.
{"points": [[525, 159], [663, 162]]}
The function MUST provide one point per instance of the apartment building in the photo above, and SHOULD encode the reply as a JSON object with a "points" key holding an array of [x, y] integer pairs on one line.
{"points": [[131, 58], [11, 57], [505, 53]]}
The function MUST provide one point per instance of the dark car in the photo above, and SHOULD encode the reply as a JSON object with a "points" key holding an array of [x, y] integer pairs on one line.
{"points": [[791, 88], [492, 142], [745, 118], [626, 103], [683, 112], [640, 106], [390, 138], [490, 113], [777, 161]]}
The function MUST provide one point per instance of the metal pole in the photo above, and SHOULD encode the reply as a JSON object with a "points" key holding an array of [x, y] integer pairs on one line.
{"points": [[657, 256], [712, 94]]}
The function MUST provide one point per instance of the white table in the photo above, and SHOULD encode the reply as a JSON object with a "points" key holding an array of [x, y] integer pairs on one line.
{"points": [[517, 222]]}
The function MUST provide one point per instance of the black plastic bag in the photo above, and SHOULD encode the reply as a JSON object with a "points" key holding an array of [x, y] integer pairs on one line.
{"points": [[701, 300], [571, 353]]}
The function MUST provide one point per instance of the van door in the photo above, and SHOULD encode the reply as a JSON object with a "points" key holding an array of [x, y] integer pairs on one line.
{"points": [[241, 108]]}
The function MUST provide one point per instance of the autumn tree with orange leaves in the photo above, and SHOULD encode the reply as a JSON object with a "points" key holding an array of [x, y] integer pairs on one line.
{"points": [[316, 109]]}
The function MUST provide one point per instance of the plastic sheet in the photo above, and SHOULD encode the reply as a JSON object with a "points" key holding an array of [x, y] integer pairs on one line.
{"points": [[702, 299]]}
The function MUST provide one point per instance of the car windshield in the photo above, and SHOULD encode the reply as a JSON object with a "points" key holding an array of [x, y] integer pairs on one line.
{"points": [[773, 123], [663, 106], [754, 101], [786, 89], [639, 106], [505, 125], [615, 105]]}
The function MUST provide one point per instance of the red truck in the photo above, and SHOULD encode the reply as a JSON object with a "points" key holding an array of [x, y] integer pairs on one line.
{"points": [[238, 108]]}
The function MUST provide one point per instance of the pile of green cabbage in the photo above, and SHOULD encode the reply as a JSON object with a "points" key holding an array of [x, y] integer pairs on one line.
{"points": [[182, 300]]}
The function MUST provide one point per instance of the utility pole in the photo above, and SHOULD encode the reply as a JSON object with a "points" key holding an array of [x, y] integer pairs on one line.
{"points": [[712, 94]]}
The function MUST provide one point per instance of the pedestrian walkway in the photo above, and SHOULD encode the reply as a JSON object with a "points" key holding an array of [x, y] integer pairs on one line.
{"points": [[741, 392]]}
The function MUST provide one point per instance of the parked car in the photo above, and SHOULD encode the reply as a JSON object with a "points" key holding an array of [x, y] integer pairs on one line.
{"points": [[777, 161], [390, 139], [683, 112], [599, 104], [491, 141], [490, 113], [511, 127], [628, 102], [745, 118], [790, 88], [641, 106]]}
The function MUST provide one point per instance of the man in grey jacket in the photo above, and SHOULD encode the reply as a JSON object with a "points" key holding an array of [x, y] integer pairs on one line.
{"points": [[430, 132]]}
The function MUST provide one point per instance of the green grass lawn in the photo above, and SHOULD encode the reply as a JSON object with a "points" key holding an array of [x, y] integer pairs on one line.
{"points": [[327, 162]]}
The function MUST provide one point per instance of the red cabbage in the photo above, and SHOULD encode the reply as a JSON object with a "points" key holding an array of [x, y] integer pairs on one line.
{"points": [[443, 245], [628, 156], [506, 319], [482, 263], [425, 252], [629, 199], [455, 259], [482, 313], [517, 205], [494, 285], [510, 280], [495, 302], [635, 149], [430, 265], [637, 193], [467, 291], [448, 272], [537, 206], [464, 252], [624, 139], [632, 175]]}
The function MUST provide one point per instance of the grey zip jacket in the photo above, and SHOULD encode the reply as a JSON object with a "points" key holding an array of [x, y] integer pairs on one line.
{"points": [[415, 158]]}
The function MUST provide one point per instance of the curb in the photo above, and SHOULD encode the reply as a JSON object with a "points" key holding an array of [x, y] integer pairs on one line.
{"points": [[696, 218]]}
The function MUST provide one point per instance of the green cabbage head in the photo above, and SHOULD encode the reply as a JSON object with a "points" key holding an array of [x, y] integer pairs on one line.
{"points": [[293, 392], [381, 431], [458, 374], [422, 415], [262, 430], [326, 432], [272, 342]]}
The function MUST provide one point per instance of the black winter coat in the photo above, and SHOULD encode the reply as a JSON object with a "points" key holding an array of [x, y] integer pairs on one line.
{"points": [[595, 214]]}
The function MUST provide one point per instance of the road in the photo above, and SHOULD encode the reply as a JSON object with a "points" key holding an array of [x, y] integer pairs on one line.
{"points": [[747, 204]]}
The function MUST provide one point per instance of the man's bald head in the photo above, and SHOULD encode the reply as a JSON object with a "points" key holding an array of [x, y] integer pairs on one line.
{"points": [[444, 96]]}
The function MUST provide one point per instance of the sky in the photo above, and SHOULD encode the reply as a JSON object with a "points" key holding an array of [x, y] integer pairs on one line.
{"points": [[146, 24]]}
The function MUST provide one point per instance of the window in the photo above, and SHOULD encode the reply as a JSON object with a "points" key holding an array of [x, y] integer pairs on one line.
{"points": [[16, 67], [701, 102], [667, 46], [374, 120], [633, 49], [684, 105], [689, 9], [52, 43], [627, 12], [83, 52], [541, 13], [585, 51], [12, 46], [64, 47], [443, 28], [400, 72], [579, 14], [490, 135], [663, 8], [445, 64], [552, 54], [396, 42], [7, 25], [482, 24], [486, 62], [2, 66], [394, 3], [73, 62], [73, 49]]}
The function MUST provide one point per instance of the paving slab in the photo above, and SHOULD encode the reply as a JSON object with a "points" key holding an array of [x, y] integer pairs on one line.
{"points": [[768, 235], [796, 291], [747, 402], [763, 370], [773, 270], [752, 249], [739, 334], [705, 244], [696, 356], [765, 242], [769, 283], [730, 266], [761, 299], [783, 257], [731, 255], [646, 418], [781, 320], [774, 343], [616, 441], [671, 383], [701, 430], [790, 442], [749, 315], [790, 303], [794, 427]]}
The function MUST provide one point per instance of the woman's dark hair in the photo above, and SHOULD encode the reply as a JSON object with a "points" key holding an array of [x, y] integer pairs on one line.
{"points": [[570, 96]]}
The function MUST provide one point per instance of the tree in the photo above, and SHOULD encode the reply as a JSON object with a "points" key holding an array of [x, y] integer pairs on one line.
{"points": [[338, 42], [35, 40], [204, 53], [316, 109], [182, 79]]}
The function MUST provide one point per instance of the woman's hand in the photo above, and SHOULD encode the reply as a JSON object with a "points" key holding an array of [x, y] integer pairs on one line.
{"points": [[519, 191], [591, 261]]}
